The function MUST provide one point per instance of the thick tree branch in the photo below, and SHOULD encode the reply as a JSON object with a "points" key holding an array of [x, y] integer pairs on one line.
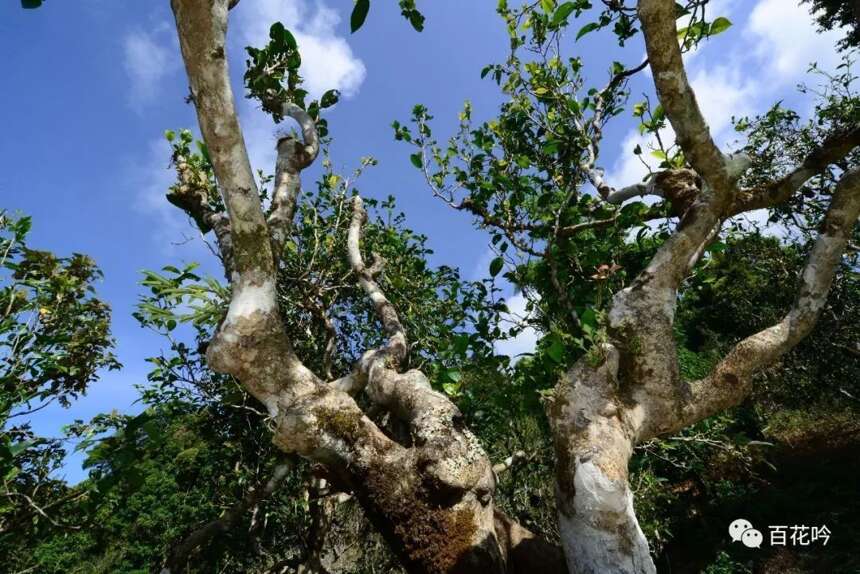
{"points": [[731, 380], [677, 97], [407, 395], [430, 497], [253, 319], [829, 152], [293, 157], [202, 29], [594, 430]]}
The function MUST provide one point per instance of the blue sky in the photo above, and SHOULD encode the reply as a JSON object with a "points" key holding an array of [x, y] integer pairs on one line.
{"points": [[90, 86]]}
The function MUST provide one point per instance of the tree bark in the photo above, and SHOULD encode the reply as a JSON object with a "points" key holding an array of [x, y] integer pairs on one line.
{"points": [[630, 389], [432, 499], [594, 436]]}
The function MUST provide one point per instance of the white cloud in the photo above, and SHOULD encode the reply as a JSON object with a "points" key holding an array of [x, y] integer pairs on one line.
{"points": [[148, 58], [327, 63], [526, 340], [723, 92], [327, 60], [628, 169], [482, 265], [786, 40]]}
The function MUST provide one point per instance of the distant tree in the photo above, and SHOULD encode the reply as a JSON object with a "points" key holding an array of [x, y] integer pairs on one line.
{"points": [[833, 14], [54, 339]]}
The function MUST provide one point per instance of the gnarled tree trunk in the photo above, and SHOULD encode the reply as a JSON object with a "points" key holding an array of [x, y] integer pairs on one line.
{"points": [[432, 499], [631, 389]]}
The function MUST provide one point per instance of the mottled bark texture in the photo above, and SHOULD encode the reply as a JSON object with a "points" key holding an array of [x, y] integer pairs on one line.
{"points": [[432, 498], [630, 389]]}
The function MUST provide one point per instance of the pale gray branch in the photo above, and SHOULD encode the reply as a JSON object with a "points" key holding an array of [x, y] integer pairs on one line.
{"points": [[731, 380], [253, 319], [396, 347], [202, 28], [310, 135], [509, 462], [293, 157], [616, 196], [830, 151], [677, 97]]}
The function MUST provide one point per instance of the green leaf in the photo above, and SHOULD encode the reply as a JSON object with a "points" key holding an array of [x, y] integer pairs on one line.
{"points": [[329, 98], [359, 14], [562, 12], [588, 320], [451, 389], [719, 26], [547, 5], [279, 33], [496, 266], [20, 447], [415, 158], [104, 485], [586, 29], [204, 151], [461, 344], [154, 430], [551, 147], [555, 351], [633, 209], [12, 473], [452, 384]]}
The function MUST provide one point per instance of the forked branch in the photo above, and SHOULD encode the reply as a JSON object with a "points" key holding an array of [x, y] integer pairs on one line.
{"points": [[731, 380], [181, 552], [832, 150], [293, 157]]}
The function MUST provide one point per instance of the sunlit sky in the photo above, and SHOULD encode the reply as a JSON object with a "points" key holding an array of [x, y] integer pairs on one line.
{"points": [[90, 86]]}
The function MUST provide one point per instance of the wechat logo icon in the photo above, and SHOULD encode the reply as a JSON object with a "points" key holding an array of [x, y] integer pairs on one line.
{"points": [[741, 530]]}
